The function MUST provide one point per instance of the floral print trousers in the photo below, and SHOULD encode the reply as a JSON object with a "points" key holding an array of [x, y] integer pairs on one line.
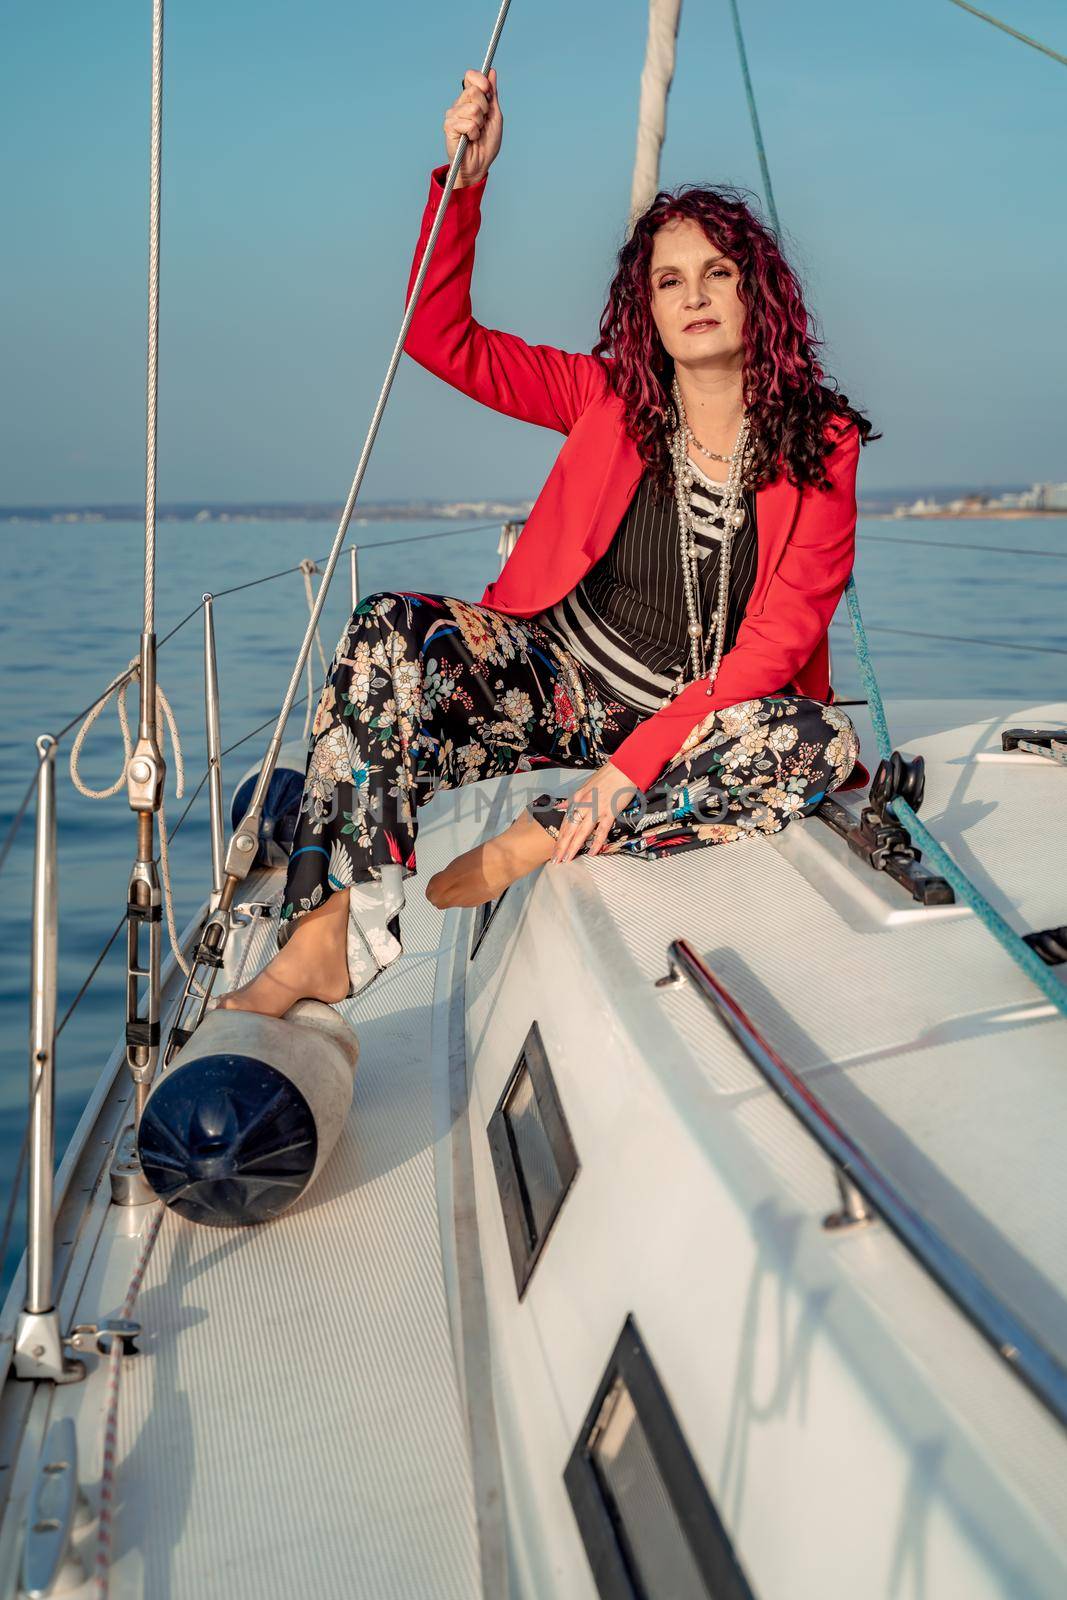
{"points": [[427, 692]]}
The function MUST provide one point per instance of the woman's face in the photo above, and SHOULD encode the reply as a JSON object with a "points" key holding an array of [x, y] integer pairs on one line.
{"points": [[691, 281]]}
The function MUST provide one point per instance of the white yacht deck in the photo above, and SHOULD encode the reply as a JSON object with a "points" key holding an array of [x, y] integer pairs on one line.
{"points": [[297, 1415], [316, 1398]]}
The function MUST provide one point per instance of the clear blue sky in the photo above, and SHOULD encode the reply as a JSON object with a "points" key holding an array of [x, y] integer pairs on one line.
{"points": [[917, 156]]}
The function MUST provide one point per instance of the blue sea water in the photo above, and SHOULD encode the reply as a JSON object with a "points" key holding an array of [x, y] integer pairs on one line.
{"points": [[71, 621]]}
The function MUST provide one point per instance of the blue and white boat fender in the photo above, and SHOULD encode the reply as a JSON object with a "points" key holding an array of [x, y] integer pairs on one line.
{"points": [[243, 1121]]}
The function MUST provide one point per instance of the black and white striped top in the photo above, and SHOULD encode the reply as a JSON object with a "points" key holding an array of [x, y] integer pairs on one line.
{"points": [[627, 620]]}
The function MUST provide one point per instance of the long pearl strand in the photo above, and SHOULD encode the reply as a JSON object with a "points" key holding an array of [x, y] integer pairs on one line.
{"points": [[733, 518]]}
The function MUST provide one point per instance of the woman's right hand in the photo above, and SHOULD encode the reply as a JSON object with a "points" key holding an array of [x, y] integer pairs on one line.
{"points": [[475, 112]]}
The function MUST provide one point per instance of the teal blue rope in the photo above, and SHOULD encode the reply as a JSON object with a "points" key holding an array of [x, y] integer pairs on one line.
{"points": [[870, 682], [1016, 947], [754, 115]]}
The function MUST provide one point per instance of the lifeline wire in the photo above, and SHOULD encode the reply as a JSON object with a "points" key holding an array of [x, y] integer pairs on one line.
{"points": [[218, 594], [955, 544], [959, 638], [1016, 947]]}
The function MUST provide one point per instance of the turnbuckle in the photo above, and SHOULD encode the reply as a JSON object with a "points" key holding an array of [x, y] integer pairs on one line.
{"points": [[144, 913], [208, 960]]}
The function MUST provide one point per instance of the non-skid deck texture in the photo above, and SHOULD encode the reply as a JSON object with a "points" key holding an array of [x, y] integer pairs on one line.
{"points": [[933, 1049], [297, 1427]]}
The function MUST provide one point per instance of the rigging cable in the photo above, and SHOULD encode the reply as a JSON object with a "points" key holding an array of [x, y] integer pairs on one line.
{"points": [[953, 544], [1035, 44], [754, 115], [307, 567], [956, 638], [127, 677], [239, 855]]}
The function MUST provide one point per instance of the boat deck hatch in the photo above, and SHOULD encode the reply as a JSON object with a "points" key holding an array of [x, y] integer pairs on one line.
{"points": [[645, 1516], [533, 1155], [483, 918]]}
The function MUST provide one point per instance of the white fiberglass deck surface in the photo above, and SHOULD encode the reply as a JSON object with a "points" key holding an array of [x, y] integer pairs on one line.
{"points": [[928, 1043], [297, 1424]]}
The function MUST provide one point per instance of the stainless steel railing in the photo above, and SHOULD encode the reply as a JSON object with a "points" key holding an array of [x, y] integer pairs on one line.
{"points": [[867, 1192], [39, 1345]]}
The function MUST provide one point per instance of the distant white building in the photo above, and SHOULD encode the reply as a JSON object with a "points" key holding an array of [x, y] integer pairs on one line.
{"points": [[1039, 497], [918, 508]]}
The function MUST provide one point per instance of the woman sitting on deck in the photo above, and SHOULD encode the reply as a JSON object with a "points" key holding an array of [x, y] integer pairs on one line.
{"points": [[700, 519]]}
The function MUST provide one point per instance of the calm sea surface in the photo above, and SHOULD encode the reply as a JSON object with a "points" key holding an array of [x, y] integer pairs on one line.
{"points": [[70, 622]]}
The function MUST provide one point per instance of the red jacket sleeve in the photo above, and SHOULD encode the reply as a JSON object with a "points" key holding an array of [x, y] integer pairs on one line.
{"points": [[533, 382], [777, 641]]}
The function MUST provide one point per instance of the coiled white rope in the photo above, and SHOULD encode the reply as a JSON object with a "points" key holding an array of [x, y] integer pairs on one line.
{"points": [[119, 687], [164, 716]]}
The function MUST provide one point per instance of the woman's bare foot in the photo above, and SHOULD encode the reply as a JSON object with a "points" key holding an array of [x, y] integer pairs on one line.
{"points": [[486, 871], [312, 965]]}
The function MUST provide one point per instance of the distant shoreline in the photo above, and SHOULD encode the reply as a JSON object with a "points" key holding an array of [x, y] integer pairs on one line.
{"points": [[972, 514], [879, 507], [198, 513]]}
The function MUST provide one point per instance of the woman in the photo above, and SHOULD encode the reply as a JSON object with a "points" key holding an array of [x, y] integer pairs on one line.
{"points": [[698, 524]]}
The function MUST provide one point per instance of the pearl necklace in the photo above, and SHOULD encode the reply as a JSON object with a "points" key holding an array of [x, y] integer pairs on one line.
{"points": [[733, 518]]}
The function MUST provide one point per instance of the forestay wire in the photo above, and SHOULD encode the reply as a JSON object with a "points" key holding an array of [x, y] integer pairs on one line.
{"points": [[1024, 38]]}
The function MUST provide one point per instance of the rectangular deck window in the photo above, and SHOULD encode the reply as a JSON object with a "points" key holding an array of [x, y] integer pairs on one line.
{"points": [[483, 917], [533, 1155], [647, 1521]]}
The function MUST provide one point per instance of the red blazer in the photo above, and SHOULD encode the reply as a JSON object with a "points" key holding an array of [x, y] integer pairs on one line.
{"points": [[806, 538]]}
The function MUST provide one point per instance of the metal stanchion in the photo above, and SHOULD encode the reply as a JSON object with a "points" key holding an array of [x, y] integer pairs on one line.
{"points": [[38, 1342]]}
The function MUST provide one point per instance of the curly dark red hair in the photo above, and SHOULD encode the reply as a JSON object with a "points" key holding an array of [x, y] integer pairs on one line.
{"points": [[788, 402]]}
